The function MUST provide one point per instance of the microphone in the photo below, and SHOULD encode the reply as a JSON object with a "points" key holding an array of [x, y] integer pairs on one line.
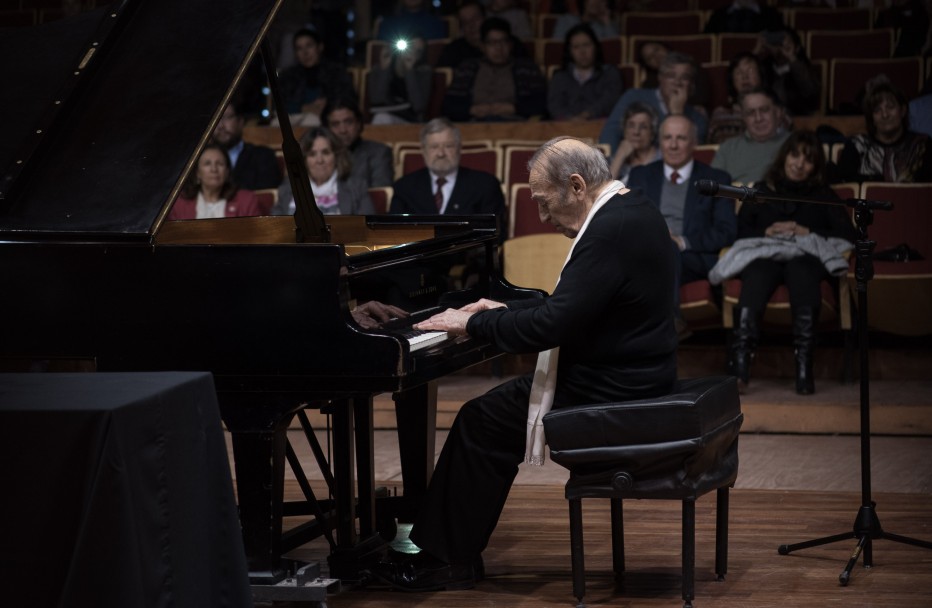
{"points": [[713, 188]]}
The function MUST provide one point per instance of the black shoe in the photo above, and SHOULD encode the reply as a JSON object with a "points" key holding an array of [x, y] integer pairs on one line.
{"points": [[423, 572]]}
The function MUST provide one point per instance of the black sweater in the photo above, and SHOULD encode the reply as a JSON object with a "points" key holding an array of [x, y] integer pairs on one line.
{"points": [[611, 313]]}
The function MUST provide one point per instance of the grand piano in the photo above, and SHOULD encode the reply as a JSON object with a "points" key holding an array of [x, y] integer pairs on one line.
{"points": [[106, 116]]}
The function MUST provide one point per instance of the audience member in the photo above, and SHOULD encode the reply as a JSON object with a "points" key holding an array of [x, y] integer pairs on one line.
{"points": [[307, 85], [744, 74], [889, 151], [746, 156], [639, 145], [650, 56], [399, 86], [777, 244], [910, 20], [677, 79], [597, 14], [920, 114], [744, 16], [443, 186], [585, 86], [788, 72], [254, 167], [372, 163], [469, 15], [210, 192], [516, 17], [700, 225], [499, 86], [411, 18], [328, 166], [610, 317]]}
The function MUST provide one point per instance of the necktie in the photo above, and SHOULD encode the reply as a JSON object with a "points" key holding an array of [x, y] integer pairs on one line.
{"points": [[438, 195], [675, 177]]}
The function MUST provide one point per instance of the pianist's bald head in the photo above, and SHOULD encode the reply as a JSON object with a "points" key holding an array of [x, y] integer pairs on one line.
{"points": [[561, 157]]}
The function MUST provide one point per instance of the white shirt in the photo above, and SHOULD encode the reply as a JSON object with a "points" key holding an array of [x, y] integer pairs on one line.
{"points": [[207, 209], [685, 171]]}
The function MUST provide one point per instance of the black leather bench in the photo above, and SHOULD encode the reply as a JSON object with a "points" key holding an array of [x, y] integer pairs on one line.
{"points": [[676, 447]]}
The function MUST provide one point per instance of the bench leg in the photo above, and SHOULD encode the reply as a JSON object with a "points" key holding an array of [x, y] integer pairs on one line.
{"points": [[618, 537], [721, 533], [689, 552], [576, 550]]}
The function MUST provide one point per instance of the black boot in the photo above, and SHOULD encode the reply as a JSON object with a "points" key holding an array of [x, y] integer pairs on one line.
{"points": [[804, 340], [743, 342]]}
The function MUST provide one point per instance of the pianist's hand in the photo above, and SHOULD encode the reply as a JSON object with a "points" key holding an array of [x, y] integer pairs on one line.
{"points": [[372, 313], [451, 321], [481, 305]]}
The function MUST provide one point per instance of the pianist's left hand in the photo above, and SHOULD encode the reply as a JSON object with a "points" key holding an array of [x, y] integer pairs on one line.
{"points": [[454, 321], [372, 313]]}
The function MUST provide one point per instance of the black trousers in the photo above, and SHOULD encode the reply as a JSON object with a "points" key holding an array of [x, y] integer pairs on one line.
{"points": [[690, 266], [477, 465], [802, 277]]}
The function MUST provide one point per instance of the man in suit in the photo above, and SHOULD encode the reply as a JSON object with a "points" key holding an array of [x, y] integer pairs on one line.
{"points": [[700, 226], [254, 167], [443, 186], [372, 160]]}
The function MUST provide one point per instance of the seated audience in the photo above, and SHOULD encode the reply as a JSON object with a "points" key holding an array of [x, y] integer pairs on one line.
{"points": [[746, 156], [517, 17], [585, 87], [776, 245], [307, 85], [744, 16], [920, 114], [499, 86], [254, 167], [443, 186], [700, 225], [372, 161], [744, 74], [399, 86], [412, 18], [677, 80], [639, 145], [788, 72], [469, 15], [328, 166], [910, 19], [649, 58], [889, 151], [597, 14], [210, 192]]}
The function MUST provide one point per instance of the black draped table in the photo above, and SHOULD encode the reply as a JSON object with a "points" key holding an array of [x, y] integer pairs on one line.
{"points": [[115, 491]]}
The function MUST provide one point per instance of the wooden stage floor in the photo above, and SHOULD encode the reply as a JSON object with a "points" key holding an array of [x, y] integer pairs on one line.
{"points": [[528, 563]]}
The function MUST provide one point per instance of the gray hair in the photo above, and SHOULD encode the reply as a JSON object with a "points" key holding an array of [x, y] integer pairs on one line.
{"points": [[675, 58], [439, 125], [558, 163]]}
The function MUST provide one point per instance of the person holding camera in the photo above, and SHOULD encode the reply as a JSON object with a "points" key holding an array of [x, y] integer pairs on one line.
{"points": [[788, 71], [399, 86]]}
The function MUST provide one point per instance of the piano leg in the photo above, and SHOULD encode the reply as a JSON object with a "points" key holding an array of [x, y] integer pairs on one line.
{"points": [[416, 416], [259, 461]]}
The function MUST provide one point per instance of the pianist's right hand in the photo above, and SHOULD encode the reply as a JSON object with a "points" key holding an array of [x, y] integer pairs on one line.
{"points": [[454, 321], [371, 314]]}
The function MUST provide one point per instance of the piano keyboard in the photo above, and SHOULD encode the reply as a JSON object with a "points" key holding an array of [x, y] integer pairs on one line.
{"points": [[418, 339]]}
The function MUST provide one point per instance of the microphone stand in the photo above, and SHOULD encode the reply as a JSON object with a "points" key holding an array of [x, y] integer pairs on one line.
{"points": [[867, 526]]}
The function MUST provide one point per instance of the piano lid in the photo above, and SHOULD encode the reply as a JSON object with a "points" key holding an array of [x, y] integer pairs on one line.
{"points": [[108, 109]]}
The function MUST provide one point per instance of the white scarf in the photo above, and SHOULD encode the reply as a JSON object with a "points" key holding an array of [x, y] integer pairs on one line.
{"points": [[545, 374]]}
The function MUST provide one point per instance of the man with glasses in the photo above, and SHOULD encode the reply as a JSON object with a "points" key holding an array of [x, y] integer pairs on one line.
{"points": [[499, 86], [676, 82], [372, 160], [746, 157]]}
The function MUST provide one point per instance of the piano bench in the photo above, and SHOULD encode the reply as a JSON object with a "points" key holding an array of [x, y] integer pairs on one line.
{"points": [[676, 447]]}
